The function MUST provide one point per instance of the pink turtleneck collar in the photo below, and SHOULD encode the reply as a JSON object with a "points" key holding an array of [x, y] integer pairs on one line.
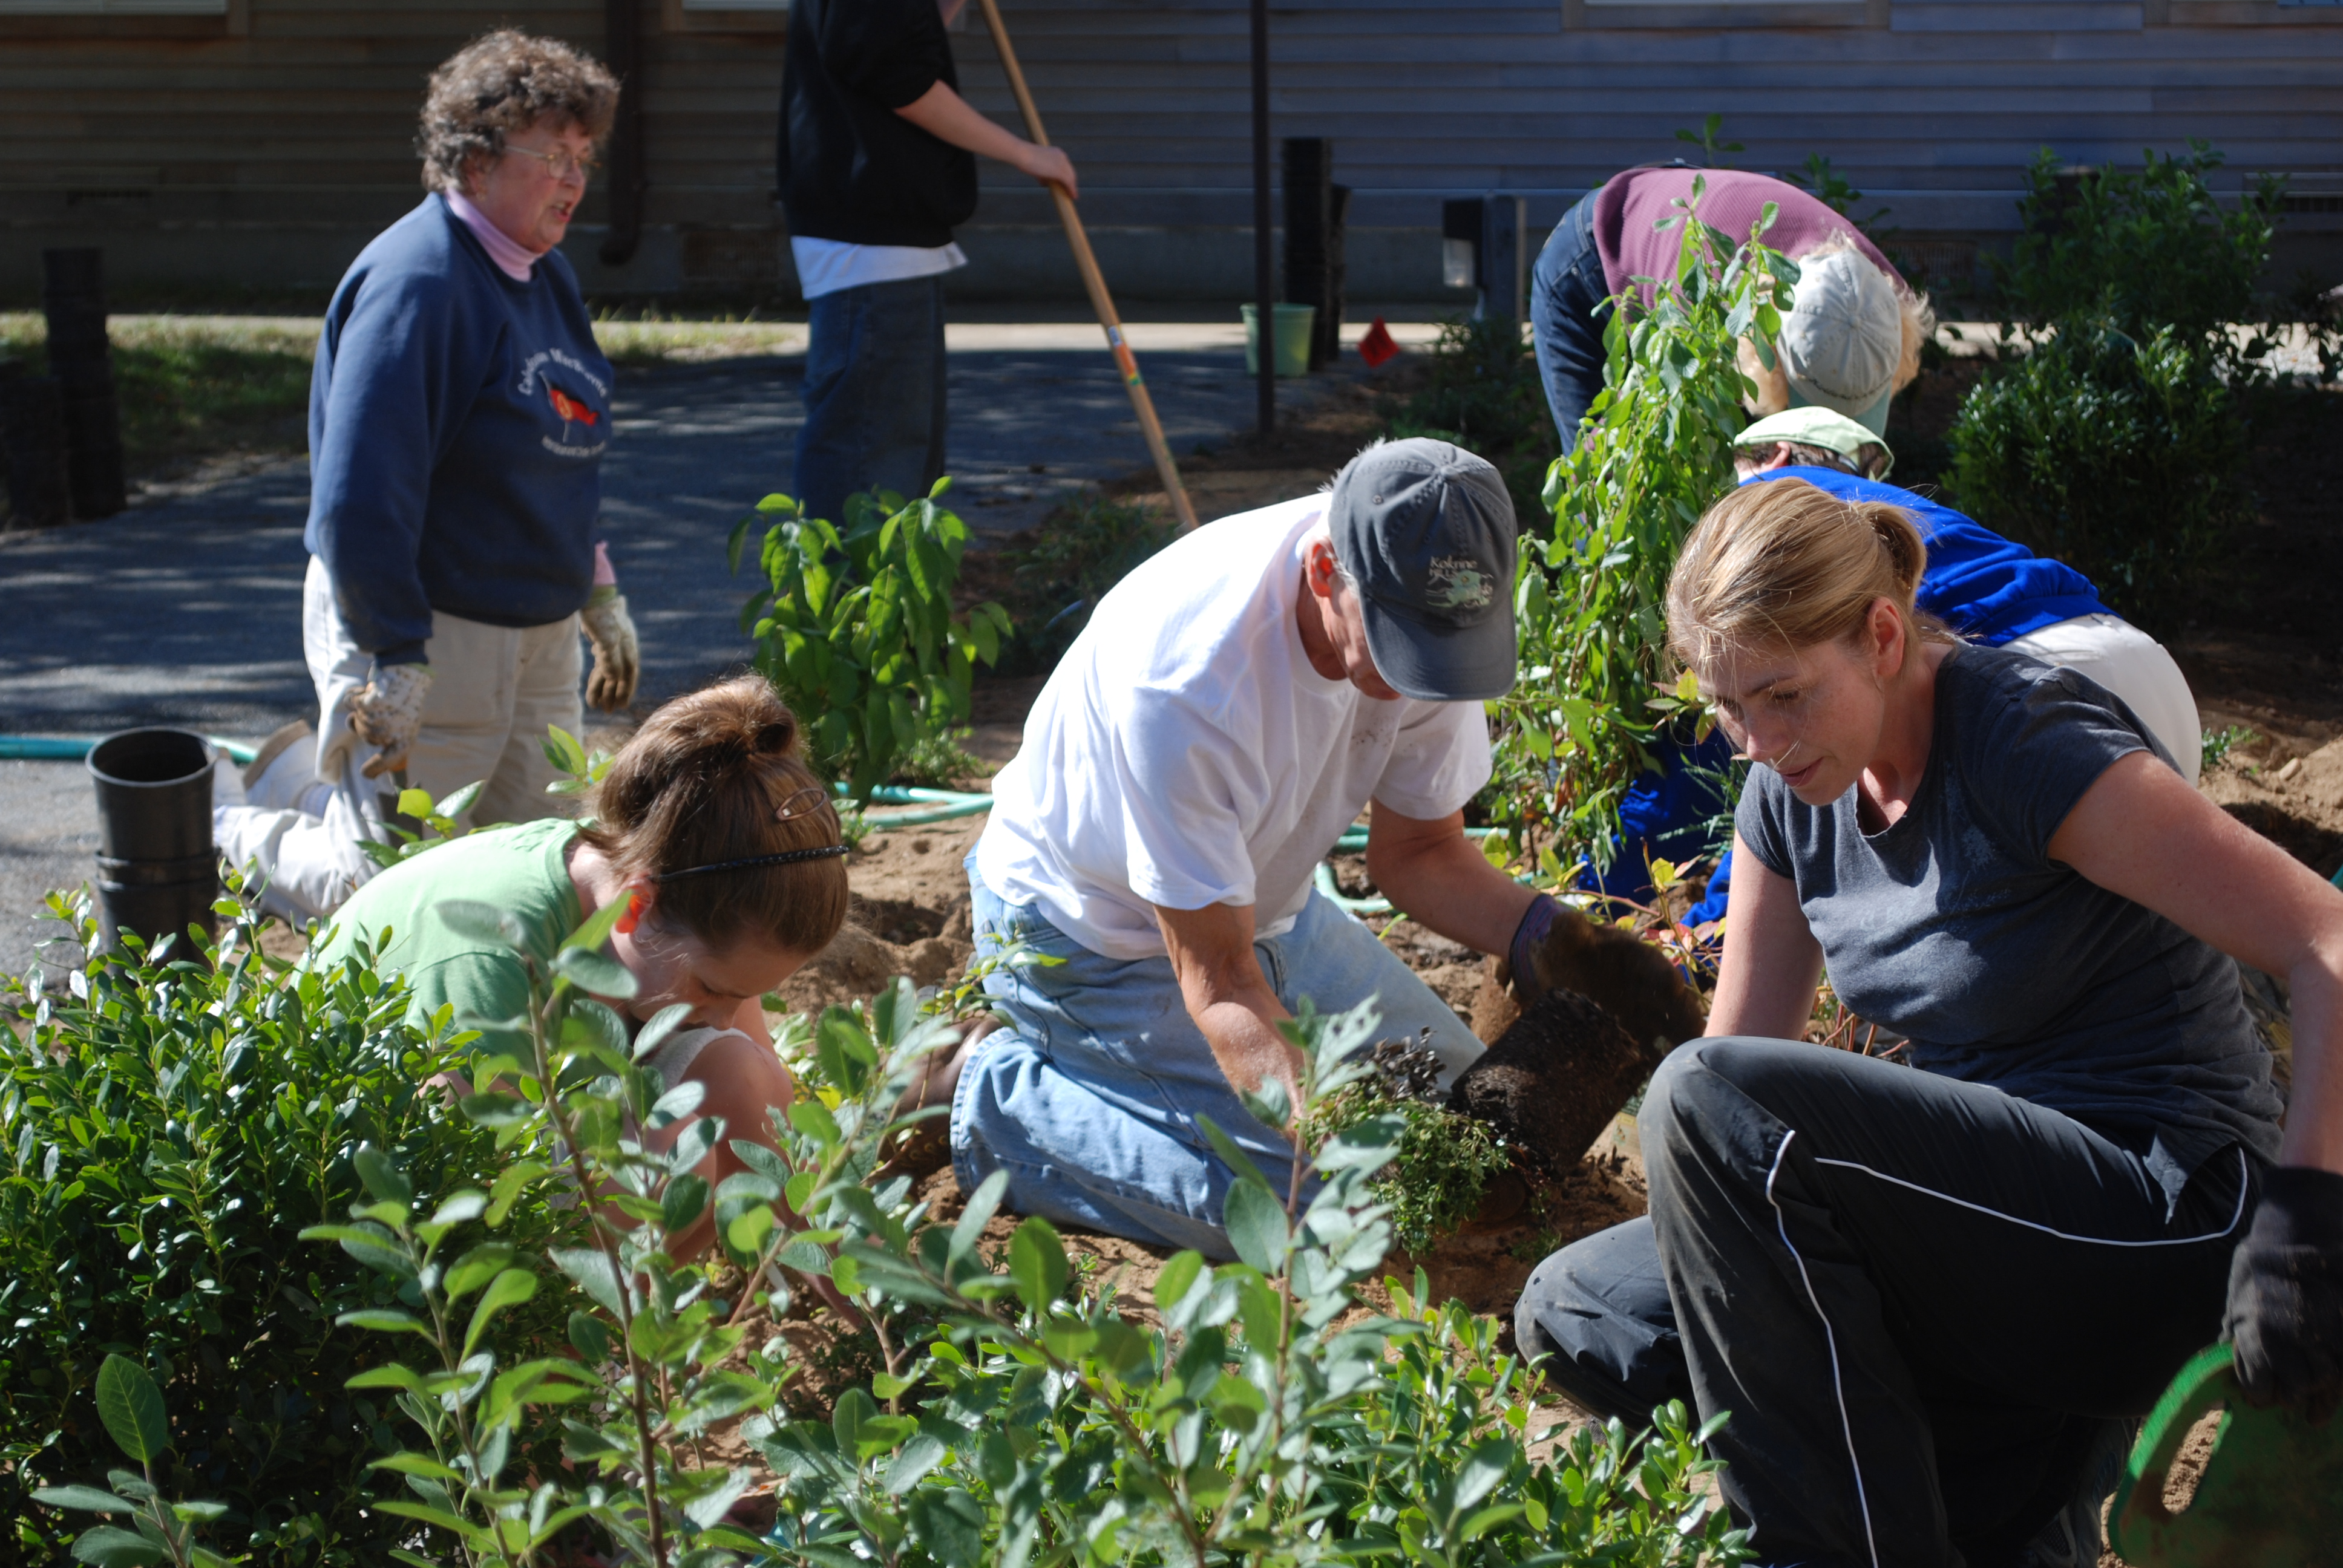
{"points": [[513, 258]]}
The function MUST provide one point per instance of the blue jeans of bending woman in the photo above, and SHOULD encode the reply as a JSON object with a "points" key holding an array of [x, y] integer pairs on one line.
{"points": [[1566, 317], [1089, 1099]]}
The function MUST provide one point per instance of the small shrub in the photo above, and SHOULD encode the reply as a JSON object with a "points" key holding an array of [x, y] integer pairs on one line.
{"points": [[2218, 743], [2122, 457], [164, 1131], [1483, 394], [1437, 1177], [1062, 569], [2145, 249], [857, 628]]}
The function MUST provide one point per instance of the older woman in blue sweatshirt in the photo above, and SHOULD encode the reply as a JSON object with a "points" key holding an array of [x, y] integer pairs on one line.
{"points": [[1992, 591], [458, 420]]}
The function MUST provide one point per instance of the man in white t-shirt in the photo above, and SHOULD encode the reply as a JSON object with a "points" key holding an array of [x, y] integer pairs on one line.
{"points": [[1231, 708]]}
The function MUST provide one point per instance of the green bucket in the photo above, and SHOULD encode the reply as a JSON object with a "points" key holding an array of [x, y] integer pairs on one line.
{"points": [[1295, 322]]}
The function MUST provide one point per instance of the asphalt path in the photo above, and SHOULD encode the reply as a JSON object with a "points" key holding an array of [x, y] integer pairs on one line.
{"points": [[187, 609]]}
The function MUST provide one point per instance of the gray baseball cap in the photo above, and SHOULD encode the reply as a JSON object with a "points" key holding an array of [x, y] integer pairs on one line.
{"points": [[1427, 532], [1843, 339]]}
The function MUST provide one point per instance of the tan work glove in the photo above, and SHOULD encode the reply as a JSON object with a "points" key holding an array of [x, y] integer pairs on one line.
{"points": [[387, 712], [617, 654]]}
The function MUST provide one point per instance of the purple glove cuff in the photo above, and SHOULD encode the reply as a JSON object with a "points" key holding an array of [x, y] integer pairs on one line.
{"points": [[1529, 936]]}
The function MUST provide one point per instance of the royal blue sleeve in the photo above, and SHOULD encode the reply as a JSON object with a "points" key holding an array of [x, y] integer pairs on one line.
{"points": [[381, 402]]}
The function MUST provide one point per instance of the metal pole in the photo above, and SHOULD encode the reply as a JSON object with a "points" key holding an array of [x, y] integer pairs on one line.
{"points": [[1265, 289]]}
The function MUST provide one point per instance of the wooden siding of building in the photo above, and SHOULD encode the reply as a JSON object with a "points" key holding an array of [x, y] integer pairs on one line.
{"points": [[267, 147]]}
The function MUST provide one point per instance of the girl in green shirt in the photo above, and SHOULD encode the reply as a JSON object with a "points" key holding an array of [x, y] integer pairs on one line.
{"points": [[727, 852]]}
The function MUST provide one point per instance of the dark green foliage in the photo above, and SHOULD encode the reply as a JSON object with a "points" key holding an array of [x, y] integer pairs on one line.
{"points": [[2144, 249], [1485, 394], [2122, 458], [164, 1131], [1062, 569]]}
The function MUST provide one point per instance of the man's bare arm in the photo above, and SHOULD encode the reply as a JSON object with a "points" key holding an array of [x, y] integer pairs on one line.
{"points": [[1429, 869], [1228, 997]]}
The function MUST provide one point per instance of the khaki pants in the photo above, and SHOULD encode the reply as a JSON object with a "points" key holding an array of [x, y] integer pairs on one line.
{"points": [[494, 691]]}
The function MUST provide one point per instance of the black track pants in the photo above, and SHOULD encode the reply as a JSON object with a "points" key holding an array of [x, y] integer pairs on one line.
{"points": [[1920, 1299]]}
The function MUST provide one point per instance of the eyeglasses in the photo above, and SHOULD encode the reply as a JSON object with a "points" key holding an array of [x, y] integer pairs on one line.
{"points": [[559, 163]]}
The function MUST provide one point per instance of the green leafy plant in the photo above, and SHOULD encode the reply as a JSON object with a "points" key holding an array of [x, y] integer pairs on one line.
{"points": [[131, 1406], [439, 817], [1441, 1171], [655, 1363], [1711, 148], [168, 1125], [579, 769], [1482, 392], [2218, 743], [1060, 571], [857, 630], [1833, 190], [1267, 1421], [1595, 680], [2145, 251], [2122, 457]]}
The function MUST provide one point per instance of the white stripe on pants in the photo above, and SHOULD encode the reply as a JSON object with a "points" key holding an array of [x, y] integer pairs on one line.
{"points": [[494, 690]]}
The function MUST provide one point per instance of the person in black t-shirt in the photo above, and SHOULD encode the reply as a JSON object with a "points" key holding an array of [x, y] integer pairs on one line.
{"points": [[1932, 1296], [877, 164]]}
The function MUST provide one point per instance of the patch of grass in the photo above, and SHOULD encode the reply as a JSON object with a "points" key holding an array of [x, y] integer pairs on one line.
{"points": [[646, 339], [192, 387]]}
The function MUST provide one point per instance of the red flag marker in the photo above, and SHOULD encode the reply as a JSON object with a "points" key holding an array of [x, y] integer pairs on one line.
{"points": [[1377, 346]]}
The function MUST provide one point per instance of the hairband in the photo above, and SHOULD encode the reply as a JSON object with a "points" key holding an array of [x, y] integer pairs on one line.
{"points": [[786, 858]]}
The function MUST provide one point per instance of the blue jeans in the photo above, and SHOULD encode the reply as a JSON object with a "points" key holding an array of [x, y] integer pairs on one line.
{"points": [[1567, 296], [874, 394], [1089, 1100]]}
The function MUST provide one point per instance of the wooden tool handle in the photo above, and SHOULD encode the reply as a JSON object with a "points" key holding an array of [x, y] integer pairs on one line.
{"points": [[1094, 281]]}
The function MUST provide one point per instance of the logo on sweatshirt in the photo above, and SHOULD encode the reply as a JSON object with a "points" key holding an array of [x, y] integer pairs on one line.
{"points": [[1457, 582], [572, 411]]}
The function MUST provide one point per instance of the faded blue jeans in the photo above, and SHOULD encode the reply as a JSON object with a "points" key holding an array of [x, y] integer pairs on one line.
{"points": [[1567, 315], [874, 394], [1089, 1099]]}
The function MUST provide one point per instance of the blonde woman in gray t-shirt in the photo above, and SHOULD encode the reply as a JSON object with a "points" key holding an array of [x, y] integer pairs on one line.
{"points": [[1934, 1300]]}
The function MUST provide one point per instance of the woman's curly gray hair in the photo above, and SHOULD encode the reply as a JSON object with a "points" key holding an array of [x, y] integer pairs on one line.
{"points": [[504, 81]]}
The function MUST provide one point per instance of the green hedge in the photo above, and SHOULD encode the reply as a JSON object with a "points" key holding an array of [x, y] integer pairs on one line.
{"points": [[165, 1130]]}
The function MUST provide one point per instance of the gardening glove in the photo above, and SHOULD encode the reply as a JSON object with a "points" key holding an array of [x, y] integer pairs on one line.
{"points": [[1557, 948], [388, 713], [617, 656], [2286, 1295]]}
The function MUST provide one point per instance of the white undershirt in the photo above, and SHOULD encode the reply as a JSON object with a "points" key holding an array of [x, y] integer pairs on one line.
{"points": [[827, 266]]}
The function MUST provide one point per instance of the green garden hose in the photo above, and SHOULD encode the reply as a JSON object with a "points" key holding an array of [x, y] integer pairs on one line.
{"points": [[72, 748], [936, 805]]}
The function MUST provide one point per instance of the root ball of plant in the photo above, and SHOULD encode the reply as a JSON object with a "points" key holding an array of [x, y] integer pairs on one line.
{"points": [[1552, 1082]]}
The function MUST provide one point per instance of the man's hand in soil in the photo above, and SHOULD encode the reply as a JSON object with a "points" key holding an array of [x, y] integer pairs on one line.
{"points": [[1229, 998], [2286, 1295]]}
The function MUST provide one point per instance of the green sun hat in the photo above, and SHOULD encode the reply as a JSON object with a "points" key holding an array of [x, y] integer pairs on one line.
{"points": [[1811, 426]]}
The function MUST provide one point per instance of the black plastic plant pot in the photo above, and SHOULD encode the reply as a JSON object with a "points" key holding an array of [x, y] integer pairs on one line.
{"points": [[157, 873]]}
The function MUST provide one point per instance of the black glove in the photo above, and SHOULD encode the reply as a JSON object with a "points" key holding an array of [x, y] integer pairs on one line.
{"points": [[1537, 920], [2286, 1295]]}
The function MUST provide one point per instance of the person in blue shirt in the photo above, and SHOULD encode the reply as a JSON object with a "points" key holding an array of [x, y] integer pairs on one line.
{"points": [[458, 415], [1991, 592]]}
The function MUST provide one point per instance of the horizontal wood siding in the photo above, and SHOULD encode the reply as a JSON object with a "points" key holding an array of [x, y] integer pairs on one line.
{"points": [[299, 128]]}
